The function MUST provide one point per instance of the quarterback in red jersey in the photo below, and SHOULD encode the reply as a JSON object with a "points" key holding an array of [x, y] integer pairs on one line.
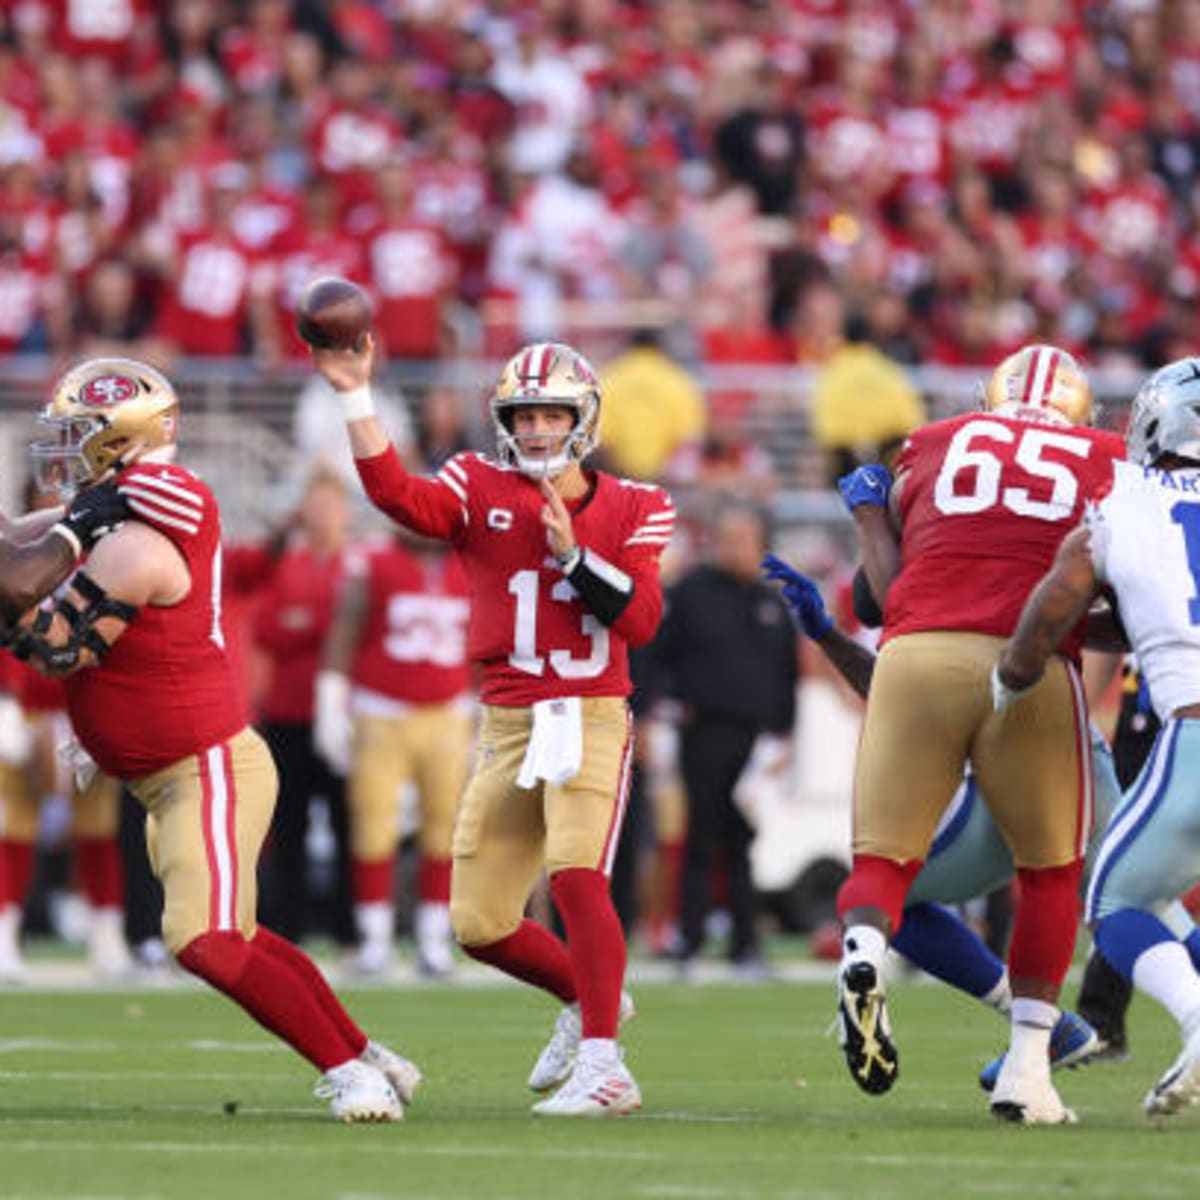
{"points": [[393, 710], [140, 625], [977, 512], [563, 571]]}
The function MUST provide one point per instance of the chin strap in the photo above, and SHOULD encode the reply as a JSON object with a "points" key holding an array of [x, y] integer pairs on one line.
{"points": [[61, 658]]}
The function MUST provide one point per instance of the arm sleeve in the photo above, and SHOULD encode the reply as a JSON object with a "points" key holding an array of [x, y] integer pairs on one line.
{"points": [[435, 507]]}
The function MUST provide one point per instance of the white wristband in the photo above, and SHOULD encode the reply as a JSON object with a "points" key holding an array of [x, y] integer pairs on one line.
{"points": [[358, 404], [72, 537]]}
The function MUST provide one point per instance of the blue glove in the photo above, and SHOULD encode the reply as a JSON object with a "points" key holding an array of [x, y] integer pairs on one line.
{"points": [[801, 596], [868, 485]]}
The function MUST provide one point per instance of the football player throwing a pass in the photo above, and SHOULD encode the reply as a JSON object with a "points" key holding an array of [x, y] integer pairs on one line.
{"points": [[137, 638], [563, 570]]}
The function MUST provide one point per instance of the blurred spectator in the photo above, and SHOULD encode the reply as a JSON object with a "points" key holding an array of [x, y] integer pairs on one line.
{"points": [[665, 255], [761, 143], [441, 427], [409, 267], [863, 404], [548, 95], [294, 575], [729, 653], [110, 319], [652, 409]]}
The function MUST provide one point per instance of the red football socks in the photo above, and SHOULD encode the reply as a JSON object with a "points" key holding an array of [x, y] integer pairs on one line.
{"points": [[433, 880], [533, 955], [101, 875], [880, 883], [18, 872], [597, 946], [1043, 939], [373, 882], [295, 959], [277, 996]]}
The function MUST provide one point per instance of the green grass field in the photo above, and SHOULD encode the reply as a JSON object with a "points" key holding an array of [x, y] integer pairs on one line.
{"points": [[174, 1094]]}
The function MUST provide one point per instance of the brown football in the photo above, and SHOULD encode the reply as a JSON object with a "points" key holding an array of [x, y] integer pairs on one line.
{"points": [[333, 314]]}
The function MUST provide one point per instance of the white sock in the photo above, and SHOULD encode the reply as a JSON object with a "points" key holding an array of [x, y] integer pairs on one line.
{"points": [[864, 943], [1000, 997], [374, 922], [1165, 973], [1032, 1021], [599, 1050]]}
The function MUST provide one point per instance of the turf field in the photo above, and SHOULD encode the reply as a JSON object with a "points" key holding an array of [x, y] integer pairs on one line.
{"points": [[173, 1094]]}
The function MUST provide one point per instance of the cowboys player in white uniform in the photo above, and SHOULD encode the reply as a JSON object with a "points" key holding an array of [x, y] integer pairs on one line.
{"points": [[1142, 542]]}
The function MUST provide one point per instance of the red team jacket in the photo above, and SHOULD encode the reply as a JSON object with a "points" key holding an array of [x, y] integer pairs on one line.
{"points": [[986, 502], [413, 645], [532, 636], [167, 689]]}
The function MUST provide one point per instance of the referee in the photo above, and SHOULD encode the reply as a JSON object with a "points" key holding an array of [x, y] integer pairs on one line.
{"points": [[728, 654]]}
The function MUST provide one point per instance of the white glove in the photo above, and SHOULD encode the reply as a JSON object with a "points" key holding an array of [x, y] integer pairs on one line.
{"points": [[16, 734], [1002, 694], [77, 762], [333, 726]]}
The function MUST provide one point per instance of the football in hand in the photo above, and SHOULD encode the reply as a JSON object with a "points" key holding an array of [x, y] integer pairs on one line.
{"points": [[333, 314]]}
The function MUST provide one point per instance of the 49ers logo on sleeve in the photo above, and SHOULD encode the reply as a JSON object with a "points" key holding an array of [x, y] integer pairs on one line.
{"points": [[106, 390]]}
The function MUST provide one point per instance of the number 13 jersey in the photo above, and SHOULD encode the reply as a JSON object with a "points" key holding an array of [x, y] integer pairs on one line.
{"points": [[986, 501], [530, 633]]}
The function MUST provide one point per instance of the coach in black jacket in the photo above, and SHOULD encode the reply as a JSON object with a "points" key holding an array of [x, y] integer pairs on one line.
{"points": [[727, 652]]}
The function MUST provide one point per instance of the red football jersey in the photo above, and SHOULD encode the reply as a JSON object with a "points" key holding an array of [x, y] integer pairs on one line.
{"points": [[985, 503], [531, 634], [413, 645], [167, 688]]}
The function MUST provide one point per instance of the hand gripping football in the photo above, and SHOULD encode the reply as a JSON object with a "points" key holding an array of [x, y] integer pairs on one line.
{"points": [[333, 314]]}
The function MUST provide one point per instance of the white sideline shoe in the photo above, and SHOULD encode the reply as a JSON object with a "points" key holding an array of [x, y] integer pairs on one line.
{"points": [[404, 1076], [594, 1089], [358, 1092], [1029, 1099], [558, 1056], [1180, 1084]]}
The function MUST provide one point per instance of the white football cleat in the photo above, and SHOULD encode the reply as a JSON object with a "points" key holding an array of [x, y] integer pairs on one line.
{"points": [[358, 1092], [108, 952], [594, 1089], [404, 1076], [1029, 1098], [1180, 1085], [557, 1058], [12, 963]]}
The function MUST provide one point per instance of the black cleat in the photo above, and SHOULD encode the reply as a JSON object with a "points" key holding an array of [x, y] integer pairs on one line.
{"points": [[866, 1034]]}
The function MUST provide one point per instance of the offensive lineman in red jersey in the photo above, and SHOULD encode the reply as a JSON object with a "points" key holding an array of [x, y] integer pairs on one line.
{"points": [[563, 571], [979, 507], [140, 625]]}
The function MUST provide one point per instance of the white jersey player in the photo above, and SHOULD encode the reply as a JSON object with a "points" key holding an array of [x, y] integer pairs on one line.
{"points": [[1142, 542]]}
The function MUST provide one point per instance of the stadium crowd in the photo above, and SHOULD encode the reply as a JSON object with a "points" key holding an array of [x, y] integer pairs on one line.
{"points": [[967, 175]]}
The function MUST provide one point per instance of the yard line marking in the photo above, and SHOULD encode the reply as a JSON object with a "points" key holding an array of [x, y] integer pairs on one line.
{"points": [[455, 1150]]}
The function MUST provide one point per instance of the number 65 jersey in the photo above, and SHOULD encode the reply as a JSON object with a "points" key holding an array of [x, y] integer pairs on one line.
{"points": [[530, 633], [986, 500]]}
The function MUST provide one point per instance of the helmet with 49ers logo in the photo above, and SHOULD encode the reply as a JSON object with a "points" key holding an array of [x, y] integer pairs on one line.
{"points": [[1042, 377], [554, 375], [106, 413]]}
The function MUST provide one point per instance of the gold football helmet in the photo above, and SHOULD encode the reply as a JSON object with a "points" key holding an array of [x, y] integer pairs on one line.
{"points": [[106, 413], [548, 373], [1042, 377]]}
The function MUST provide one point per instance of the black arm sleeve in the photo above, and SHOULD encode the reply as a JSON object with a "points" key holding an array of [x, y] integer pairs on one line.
{"points": [[605, 589]]}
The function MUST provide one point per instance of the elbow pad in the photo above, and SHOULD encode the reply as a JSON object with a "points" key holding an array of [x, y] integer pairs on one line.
{"points": [[605, 589], [866, 608], [59, 658]]}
